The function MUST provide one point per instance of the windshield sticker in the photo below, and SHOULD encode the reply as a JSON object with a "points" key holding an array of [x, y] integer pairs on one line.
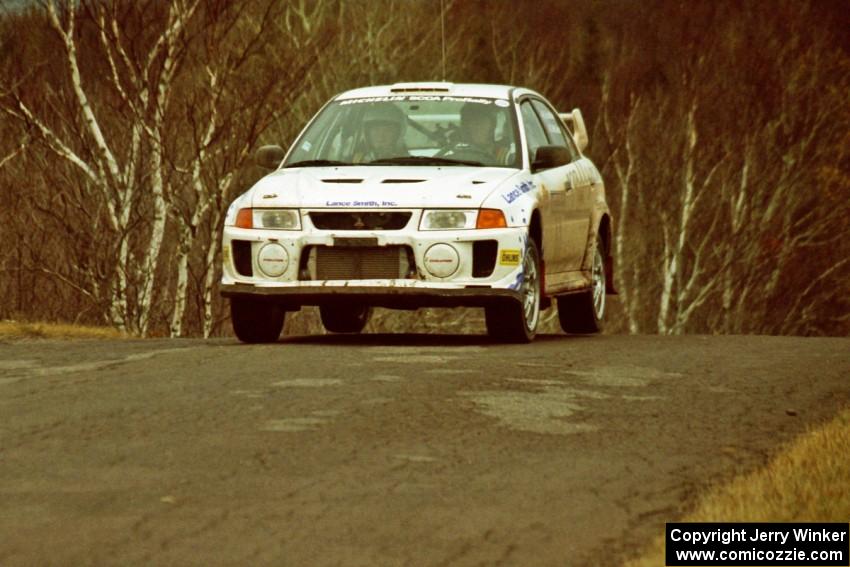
{"points": [[509, 258], [518, 191], [502, 103], [306, 146], [422, 98]]}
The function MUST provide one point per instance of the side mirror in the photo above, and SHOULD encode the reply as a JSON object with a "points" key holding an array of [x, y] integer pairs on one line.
{"points": [[548, 157], [269, 157]]}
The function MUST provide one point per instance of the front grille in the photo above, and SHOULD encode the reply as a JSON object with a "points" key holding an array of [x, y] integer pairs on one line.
{"points": [[366, 220], [366, 263]]}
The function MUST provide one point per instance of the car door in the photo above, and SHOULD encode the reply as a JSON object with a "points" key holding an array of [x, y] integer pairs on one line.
{"points": [[552, 184], [576, 203]]}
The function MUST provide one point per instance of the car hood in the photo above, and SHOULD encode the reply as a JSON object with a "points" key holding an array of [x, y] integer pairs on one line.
{"points": [[379, 186]]}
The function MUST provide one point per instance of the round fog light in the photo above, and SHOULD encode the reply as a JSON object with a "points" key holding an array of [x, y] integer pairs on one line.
{"points": [[441, 260], [273, 259]]}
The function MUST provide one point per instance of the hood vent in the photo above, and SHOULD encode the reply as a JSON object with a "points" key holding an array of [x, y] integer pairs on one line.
{"points": [[342, 181], [402, 181]]}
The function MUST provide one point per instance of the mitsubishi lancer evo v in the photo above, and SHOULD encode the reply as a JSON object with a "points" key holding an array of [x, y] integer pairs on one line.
{"points": [[420, 195]]}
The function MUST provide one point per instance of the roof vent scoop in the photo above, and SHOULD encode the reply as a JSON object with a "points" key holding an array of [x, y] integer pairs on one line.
{"points": [[421, 87]]}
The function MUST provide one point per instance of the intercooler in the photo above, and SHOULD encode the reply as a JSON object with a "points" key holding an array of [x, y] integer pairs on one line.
{"points": [[358, 263]]}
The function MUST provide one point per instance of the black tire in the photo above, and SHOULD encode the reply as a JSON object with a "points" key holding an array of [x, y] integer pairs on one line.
{"points": [[256, 321], [345, 318], [583, 313], [516, 322]]}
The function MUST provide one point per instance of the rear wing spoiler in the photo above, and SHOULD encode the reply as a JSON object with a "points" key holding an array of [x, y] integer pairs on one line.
{"points": [[575, 124]]}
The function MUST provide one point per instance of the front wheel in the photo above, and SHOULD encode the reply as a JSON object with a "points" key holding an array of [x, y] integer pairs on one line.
{"points": [[256, 321], [516, 322], [583, 313], [345, 318]]}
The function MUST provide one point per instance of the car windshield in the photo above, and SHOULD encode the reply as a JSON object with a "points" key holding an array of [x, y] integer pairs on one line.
{"points": [[410, 130]]}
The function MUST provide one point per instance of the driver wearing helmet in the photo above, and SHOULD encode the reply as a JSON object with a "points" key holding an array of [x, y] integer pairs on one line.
{"points": [[478, 129], [383, 126]]}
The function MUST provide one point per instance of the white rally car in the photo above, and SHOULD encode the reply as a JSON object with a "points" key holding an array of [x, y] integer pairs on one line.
{"points": [[424, 194]]}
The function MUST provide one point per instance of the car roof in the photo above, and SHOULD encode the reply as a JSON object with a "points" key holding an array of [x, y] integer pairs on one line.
{"points": [[436, 88]]}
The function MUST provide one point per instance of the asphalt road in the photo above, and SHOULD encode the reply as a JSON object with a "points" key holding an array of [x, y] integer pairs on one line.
{"points": [[383, 449]]}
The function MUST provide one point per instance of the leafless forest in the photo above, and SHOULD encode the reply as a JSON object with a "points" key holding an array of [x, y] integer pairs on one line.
{"points": [[722, 130]]}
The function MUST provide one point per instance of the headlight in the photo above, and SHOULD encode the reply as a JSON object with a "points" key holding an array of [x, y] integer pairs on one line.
{"points": [[448, 220], [277, 219]]}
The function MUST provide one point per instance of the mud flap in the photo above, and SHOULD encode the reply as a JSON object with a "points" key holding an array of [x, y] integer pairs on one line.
{"points": [[545, 300], [609, 276]]}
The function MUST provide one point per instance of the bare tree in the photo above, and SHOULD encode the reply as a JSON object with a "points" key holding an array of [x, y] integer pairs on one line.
{"points": [[725, 150], [234, 99], [123, 162]]}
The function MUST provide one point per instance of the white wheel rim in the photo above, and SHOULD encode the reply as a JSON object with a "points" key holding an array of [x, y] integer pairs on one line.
{"points": [[530, 291], [598, 284]]}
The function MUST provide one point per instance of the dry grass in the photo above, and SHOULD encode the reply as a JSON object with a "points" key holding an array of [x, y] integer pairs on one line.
{"points": [[29, 330], [807, 482]]}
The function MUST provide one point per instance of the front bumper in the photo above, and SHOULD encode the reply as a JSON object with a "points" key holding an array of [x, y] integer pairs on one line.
{"points": [[418, 288], [407, 297]]}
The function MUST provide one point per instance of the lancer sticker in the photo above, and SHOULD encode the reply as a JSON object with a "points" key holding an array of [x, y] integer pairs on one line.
{"points": [[518, 191], [509, 258]]}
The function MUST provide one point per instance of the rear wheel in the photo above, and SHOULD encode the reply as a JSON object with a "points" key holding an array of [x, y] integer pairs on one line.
{"points": [[516, 322], [582, 313], [345, 318], [256, 321]]}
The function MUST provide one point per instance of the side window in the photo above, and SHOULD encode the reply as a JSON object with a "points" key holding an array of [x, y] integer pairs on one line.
{"points": [[554, 128], [534, 133]]}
